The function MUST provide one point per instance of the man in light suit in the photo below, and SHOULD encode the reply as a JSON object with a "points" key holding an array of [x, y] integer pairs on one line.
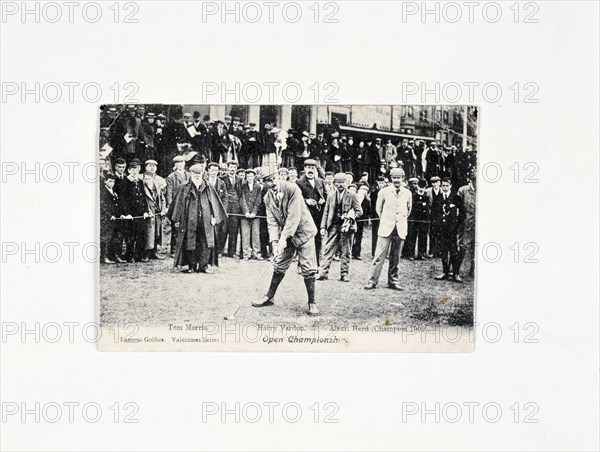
{"points": [[394, 203], [291, 230], [340, 209]]}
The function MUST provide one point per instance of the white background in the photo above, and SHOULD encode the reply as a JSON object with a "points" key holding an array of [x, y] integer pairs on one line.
{"points": [[369, 53]]}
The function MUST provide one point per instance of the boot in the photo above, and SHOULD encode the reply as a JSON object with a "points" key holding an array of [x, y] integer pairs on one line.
{"points": [[267, 300], [309, 282], [275, 281]]}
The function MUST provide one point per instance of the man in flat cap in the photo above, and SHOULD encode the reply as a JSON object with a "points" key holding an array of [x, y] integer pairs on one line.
{"points": [[338, 224], [156, 208], [365, 202], [408, 250], [291, 230], [110, 210], [394, 204], [250, 200], [136, 210], [418, 223], [230, 230], [195, 212], [434, 193], [213, 179], [174, 180], [451, 218], [313, 192]]}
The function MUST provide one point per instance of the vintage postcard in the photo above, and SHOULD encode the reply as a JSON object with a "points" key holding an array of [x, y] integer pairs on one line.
{"points": [[311, 228]]}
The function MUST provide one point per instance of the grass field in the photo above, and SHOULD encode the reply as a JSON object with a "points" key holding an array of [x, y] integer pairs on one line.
{"points": [[155, 293]]}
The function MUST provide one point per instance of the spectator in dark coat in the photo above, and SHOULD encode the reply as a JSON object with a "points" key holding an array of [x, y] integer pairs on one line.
{"points": [[250, 201]]}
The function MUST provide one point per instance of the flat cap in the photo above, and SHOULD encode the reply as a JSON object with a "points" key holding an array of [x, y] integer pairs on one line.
{"points": [[269, 177], [341, 177], [397, 172], [151, 162], [434, 179], [178, 158], [310, 162]]}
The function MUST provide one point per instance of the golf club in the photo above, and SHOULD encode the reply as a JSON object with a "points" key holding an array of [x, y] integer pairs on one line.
{"points": [[232, 316]]}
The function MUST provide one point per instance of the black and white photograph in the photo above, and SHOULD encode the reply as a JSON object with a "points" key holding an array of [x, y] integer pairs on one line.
{"points": [[337, 225], [303, 227]]}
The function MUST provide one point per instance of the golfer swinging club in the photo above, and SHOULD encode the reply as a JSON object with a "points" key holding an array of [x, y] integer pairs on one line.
{"points": [[291, 230]]}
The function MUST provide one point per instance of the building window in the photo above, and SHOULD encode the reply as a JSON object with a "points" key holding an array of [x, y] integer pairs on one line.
{"points": [[269, 114], [411, 112], [341, 118], [446, 116]]}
